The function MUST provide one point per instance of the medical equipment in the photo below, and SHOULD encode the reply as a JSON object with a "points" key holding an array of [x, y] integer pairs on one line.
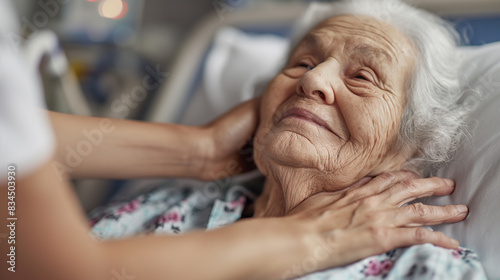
{"points": [[66, 95]]}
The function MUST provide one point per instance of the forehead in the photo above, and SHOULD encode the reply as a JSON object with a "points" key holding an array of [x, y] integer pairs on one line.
{"points": [[363, 40], [363, 35]]}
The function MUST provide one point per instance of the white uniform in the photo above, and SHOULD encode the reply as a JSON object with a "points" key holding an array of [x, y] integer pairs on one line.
{"points": [[26, 137]]}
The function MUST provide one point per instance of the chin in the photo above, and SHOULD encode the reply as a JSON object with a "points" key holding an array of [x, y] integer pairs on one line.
{"points": [[286, 148]]}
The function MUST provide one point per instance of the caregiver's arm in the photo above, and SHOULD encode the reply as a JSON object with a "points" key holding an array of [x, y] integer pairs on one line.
{"points": [[53, 242], [115, 148]]}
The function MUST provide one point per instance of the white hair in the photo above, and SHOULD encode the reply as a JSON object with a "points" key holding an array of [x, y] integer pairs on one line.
{"points": [[433, 120]]}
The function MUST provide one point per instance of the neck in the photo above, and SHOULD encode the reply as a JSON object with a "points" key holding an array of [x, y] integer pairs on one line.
{"points": [[284, 192]]}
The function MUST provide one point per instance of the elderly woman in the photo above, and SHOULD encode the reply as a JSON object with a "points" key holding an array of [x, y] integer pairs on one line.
{"points": [[369, 90], [364, 92]]}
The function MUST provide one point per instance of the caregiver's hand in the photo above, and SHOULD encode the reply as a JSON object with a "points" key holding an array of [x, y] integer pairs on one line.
{"points": [[369, 219], [226, 137]]}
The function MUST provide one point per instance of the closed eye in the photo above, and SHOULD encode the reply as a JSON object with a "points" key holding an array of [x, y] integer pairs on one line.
{"points": [[364, 76], [307, 66]]}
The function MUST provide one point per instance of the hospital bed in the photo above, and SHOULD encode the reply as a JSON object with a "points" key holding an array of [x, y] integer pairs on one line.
{"points": [[189, 96]]}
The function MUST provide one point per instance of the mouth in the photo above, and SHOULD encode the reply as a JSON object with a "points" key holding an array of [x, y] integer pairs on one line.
{"points": [[307, 116]]}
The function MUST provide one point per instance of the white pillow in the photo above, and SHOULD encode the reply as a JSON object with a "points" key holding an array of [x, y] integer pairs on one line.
{"points": [[236, 68], [476, 166], [238, 62]]}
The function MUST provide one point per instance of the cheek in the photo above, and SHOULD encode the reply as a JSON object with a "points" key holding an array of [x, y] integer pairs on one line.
{"points": [[374, 119], [278, 91], [373, 123], [258, 147], [276, 94], [393, 112]]}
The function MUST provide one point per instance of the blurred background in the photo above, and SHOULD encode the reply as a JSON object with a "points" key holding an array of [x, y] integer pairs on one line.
{"points": [[97, 53], [111, 44]]}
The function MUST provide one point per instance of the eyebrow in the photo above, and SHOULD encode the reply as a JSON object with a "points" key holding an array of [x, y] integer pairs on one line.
{"points": [[311, 40], [369, 50]]}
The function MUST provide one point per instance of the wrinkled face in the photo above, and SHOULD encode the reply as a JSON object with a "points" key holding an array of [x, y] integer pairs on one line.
{"points": [[336, 107]]}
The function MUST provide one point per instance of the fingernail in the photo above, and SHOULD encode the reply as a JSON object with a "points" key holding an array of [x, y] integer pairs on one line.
{"points": [[450, 182], [462, 209], [455, 242]]}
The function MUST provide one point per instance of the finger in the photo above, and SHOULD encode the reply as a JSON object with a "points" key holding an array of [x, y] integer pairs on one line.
{"points": [[418, 214], [361, 182], [374, 241], [247, 164], [404, 237], [236, 127], [377, 185], [410, 189]]}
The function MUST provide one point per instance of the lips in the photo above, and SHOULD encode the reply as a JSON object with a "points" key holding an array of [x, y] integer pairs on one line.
{"points": [[305, 115]]}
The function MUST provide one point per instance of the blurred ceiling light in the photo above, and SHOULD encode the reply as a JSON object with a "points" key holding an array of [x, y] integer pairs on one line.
{"points": [[114, 9]]}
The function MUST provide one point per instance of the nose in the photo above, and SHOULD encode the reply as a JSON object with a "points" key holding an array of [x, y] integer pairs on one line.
{"points": [[319, 82]]}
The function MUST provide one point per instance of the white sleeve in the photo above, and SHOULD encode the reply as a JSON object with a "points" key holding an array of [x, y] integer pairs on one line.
{"points": [[26, 136]]}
